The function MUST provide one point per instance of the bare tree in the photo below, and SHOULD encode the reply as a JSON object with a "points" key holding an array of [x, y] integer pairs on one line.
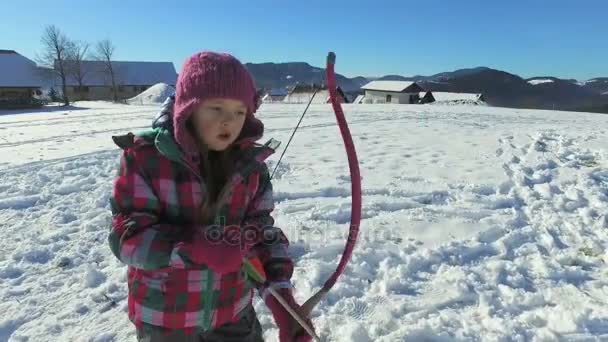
{"points": [[55, 46], [77, 54], [105, 53]]}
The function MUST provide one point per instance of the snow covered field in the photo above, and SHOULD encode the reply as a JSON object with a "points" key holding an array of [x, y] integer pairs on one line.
{"points": [[479, 223]]}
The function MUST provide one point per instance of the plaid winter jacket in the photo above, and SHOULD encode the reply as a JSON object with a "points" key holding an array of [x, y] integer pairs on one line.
{"points": [[157, 196]]}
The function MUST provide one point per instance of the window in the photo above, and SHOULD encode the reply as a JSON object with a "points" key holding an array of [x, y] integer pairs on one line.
{"points": [[389, 98]]}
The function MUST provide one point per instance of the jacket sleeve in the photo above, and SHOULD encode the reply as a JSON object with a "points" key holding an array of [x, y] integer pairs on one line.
{"points": [[137, 238], [272, 246]]}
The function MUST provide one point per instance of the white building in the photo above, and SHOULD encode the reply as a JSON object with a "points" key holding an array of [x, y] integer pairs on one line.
{"points": [[304, 93], [275, 95], [391, 92], [304, 97]]}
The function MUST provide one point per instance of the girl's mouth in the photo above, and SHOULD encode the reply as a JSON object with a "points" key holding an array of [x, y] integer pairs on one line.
{"points": [[224, 136]]}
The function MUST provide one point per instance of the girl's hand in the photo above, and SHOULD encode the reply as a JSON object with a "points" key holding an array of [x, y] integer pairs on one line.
{"points": [[219, 255], [296, 332], [289, 329]]}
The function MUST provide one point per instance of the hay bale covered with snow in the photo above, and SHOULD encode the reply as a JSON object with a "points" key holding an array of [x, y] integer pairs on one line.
{"points": [[447, 98], [154, 95]]}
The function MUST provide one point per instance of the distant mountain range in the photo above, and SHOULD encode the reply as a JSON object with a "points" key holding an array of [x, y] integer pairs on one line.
{"points": [[500, 88], [280, 75]]}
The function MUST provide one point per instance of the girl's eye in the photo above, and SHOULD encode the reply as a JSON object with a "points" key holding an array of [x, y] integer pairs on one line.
{"points": [[217, 109], [241, 113]]}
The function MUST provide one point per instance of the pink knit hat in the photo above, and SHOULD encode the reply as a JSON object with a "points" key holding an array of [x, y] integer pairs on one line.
{"points": [[208, 75]]}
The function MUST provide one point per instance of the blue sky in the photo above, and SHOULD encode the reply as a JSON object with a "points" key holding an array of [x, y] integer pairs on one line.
{"points": [[566, 39]]}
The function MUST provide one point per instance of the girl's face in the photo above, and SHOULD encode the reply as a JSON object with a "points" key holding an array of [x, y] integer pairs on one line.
{"points": [[218, 122]]}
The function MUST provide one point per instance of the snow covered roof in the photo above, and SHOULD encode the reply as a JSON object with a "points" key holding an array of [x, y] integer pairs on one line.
{"points": [[273, 98], [392, 86], [278, 92], [359, 99], [444, 96], [540, 81], [18, 71], [128, 73]]}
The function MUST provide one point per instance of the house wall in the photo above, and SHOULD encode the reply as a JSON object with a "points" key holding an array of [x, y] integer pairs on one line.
{"points": [[304, 97], [104, 93], [273, 98], [376, 96], [16, 93]]}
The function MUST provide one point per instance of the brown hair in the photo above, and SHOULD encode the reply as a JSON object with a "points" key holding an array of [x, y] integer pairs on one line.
{"points": [[215, 167]]}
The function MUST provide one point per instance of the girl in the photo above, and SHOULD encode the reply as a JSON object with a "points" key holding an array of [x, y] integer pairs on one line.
{"points": [[193, 199]]}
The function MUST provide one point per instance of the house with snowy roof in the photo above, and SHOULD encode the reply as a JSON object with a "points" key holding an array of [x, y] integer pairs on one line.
{"points": [[275, 95], [19, 77], [303, 93], [391, 92], [131, 78]]}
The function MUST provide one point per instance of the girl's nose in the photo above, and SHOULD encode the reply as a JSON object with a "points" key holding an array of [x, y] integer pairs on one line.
{"points": [[228, 117]]}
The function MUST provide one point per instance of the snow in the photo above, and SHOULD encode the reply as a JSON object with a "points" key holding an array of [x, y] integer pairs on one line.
{"points": [[155, 95], [479, 223], [540, 81], [78, 130], [593, 80]]}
